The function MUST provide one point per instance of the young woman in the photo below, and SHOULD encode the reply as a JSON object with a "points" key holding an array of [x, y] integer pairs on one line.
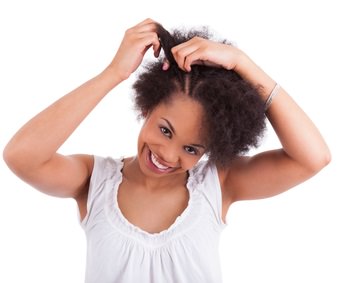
{"points": [[157, 216]]}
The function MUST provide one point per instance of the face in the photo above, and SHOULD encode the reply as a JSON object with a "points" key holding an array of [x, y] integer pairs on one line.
{"points": [[169, 141]]}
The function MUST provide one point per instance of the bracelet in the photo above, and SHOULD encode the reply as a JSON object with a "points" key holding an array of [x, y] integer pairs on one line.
{"points": [[271, 96]]}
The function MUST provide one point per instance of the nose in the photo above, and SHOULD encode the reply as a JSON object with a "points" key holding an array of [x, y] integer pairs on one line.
{"points": [[169, 154]]}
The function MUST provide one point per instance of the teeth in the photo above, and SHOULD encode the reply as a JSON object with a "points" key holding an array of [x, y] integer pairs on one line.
{"points": [[158, 165]]}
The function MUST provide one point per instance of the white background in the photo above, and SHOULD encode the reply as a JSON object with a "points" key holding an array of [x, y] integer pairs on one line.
{"points": [[50, 47]]}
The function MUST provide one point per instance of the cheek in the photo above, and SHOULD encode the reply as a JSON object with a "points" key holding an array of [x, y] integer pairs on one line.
{"points": [[188, 162], [148, 136]]}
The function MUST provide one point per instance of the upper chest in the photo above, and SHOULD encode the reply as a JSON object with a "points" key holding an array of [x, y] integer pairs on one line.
{"points": [[152, 211]]}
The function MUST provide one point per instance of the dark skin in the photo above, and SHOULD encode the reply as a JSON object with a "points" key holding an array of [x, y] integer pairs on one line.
{"points": [[151, 198], [152, 210], [162, 154]]}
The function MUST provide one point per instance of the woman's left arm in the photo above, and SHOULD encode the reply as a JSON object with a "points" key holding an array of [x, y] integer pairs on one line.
{"points": [[303, 154], [304, 151]]}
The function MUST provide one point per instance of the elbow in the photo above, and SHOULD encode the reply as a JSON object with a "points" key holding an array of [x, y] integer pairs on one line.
{"points": [[13, 159], [327, 158], [6, 155], [320, 161], [9, 157]]}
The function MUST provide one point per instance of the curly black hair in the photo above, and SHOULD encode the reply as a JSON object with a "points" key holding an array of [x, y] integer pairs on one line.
{"points": [[234, 113]]}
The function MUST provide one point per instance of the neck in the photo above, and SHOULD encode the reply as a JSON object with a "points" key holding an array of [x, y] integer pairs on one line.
{"points": [[133, 173]]}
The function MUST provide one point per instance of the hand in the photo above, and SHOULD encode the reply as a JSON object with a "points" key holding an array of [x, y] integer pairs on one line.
{"points": [[137, 40], [200, 51]]}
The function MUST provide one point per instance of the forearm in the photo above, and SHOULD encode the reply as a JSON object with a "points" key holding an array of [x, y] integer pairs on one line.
{"points": [[298, 135], [40, 138]]}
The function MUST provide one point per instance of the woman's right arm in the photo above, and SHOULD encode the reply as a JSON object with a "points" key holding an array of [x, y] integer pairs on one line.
{"points": [[32, 152]]}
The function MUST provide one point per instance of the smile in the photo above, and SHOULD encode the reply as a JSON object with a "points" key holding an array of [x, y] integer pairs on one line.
{"points": [[156, 163]]}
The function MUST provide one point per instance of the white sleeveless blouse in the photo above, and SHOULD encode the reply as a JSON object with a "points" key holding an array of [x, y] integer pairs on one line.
{"points": [[120, 252]]}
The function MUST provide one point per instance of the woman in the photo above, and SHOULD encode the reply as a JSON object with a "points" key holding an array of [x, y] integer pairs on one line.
{"points": [[157, 216]]}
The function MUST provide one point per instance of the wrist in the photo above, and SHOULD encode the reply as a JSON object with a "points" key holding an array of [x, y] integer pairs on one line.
{"points": [[112, 76], [244, 65], [251, 72]]}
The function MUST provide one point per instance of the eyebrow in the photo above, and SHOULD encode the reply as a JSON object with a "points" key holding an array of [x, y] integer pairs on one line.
{"points": [[173, 130], [170, 125]]}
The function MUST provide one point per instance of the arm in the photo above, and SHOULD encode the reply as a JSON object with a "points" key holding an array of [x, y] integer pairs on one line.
{"points": [[303, 152], [32, 152]]}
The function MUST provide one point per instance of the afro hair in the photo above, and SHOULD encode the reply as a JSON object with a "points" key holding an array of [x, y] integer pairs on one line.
{"points": [[234, 113]]}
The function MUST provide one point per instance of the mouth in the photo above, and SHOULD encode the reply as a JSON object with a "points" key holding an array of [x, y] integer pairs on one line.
{"points": [[156, 165]]}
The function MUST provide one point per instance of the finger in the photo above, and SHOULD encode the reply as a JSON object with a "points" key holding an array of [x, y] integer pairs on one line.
{"points": [[166, 65], [146, 31], [181, 56], [148, 39], [194, 58], [146, 22], [144, 28], [182, 45], [157, 50]]}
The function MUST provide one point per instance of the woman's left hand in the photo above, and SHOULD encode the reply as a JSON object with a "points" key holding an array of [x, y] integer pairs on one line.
{"points": [[200, 51]]}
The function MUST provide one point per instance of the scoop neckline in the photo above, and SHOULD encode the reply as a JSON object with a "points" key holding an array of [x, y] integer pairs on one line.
{"points": [[135, 228]]}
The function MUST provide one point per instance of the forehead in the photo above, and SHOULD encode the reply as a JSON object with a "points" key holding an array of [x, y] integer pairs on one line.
{"points": [[184, 113]]}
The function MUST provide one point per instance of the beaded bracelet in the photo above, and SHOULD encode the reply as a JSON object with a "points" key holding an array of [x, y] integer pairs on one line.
{"points": [[271, 96]]}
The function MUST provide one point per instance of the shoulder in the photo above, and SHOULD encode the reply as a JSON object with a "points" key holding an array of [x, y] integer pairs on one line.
{"points": [[105, 167], [205, 173], [224, 173], [202, 170], [100, 169]]}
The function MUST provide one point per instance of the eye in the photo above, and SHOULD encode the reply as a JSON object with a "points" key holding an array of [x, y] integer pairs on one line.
{"points": [[165, 131], [191, 150]]}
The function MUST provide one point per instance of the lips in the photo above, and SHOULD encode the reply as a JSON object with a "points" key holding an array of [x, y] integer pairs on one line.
{"points": [[155, 164]]}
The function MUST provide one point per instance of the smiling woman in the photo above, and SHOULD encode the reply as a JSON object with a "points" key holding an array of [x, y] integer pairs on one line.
{"points": [[158, 216], [170, 139], [221, 93]]}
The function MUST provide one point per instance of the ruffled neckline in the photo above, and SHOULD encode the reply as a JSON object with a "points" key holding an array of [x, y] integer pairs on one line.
{"points": [[183, 222]]}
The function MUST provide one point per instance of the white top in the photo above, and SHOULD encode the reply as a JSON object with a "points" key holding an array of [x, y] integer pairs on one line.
{"points": [[120, 252]]}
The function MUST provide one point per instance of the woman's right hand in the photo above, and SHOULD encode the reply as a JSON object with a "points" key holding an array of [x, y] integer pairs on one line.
{"points": [[137, 40]]}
